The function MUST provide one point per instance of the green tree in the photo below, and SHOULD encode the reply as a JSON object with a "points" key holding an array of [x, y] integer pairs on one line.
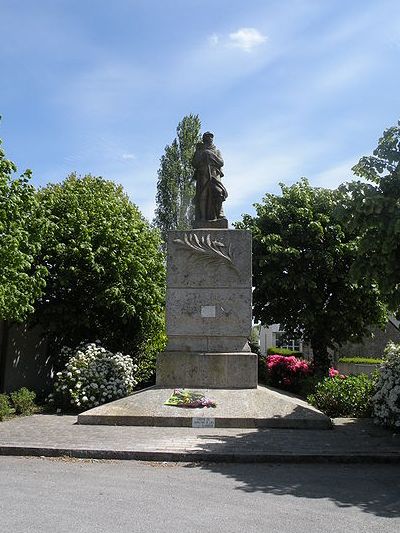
{"points": [[22, 223], [106, 272], [175, 189], [301, 267], [373, 209]]}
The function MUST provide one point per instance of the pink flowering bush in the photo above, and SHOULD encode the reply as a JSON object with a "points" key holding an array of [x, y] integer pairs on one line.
{"points": [[287, 372]]}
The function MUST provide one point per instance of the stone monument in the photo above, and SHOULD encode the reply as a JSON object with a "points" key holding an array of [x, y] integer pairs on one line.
{"points": [[209, 316], [209, 291]]}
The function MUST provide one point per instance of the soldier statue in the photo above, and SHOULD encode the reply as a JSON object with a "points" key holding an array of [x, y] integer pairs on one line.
{"points": [[210, 192]]}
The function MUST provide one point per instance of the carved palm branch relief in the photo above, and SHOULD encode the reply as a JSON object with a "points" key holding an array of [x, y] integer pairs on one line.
{"points": [[207, 250]]}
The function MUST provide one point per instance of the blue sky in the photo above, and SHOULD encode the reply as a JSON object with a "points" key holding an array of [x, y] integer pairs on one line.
{"points": [[290, 88]]}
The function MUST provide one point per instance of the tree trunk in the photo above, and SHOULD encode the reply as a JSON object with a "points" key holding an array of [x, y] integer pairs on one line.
{"points": [[321, 357]]}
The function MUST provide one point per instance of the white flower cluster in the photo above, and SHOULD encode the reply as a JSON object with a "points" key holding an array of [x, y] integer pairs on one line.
{"points": [[93, 376], [386, 400]]}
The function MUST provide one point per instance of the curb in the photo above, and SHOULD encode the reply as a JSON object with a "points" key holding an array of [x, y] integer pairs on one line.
{"points": [[193, 456]]}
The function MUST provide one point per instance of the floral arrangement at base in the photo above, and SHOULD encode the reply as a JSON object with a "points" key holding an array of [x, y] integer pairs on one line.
{"points": [[93, 376], [386, 400], [185, 398]]}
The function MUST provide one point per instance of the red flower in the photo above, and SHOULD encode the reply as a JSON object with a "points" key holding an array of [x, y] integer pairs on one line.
{"points": [[333, 372]]}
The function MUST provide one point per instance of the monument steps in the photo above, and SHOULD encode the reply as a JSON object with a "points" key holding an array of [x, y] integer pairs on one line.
{"points": [[262, 407]]}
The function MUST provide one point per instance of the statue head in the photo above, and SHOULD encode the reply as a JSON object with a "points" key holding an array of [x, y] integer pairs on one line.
{"points": [[208, 137]]}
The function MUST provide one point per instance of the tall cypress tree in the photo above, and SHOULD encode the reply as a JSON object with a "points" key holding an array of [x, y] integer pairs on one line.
{"points": [[175, 188]]}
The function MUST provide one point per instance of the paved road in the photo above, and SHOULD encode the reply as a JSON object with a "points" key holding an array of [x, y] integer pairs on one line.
{"points": [[55, 495]]}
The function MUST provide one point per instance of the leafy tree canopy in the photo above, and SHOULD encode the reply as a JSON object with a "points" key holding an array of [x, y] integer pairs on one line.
{"points": [[22, 224], [301, 266], [175, 188], [373, 210], [106, 272]]}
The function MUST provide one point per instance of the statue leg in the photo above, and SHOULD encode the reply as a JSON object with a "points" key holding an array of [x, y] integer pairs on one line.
{"points": [[203, 205]]}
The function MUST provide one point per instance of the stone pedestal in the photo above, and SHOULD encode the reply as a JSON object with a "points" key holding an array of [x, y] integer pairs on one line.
{"points": [[208, 311]]}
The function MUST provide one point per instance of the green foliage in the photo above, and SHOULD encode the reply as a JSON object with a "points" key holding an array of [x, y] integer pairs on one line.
{"points": [[307, 385], [254, 340], [262, 370], [5, 407], [372, 209], [301, 270], [350, 396], [23, 401], [147, 357], [106, 270], [274, 350], [22, 223], [175, 188], [360, 360]]}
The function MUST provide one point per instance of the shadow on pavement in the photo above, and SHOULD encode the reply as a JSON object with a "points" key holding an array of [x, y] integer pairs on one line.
{"points": [[373, 488]]}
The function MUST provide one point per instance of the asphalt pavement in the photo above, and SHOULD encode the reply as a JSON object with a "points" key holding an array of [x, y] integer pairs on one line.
{"points": [[86, 496]]}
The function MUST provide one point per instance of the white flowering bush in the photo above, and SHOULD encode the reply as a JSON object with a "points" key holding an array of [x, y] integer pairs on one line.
{"points": [[386, 400], [93, 376]]}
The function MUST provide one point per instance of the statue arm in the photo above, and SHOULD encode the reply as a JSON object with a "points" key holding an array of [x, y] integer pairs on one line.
{"points": [[198, 157], [214, 157]]}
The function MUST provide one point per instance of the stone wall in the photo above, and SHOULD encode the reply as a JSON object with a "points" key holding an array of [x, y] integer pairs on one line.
{"points": [[371, 347]]}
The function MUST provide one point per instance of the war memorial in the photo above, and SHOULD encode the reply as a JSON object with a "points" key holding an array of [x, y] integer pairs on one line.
{"points": [[208, 322]]}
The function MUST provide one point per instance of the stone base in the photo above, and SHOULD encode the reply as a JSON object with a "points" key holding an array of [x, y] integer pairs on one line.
{"points": [[262, 407], [211, 370], [191, 343], [219, 223]]}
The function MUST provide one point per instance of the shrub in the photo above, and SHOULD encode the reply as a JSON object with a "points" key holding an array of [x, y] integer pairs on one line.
{"points": [[273, 350], [262, 369], [147, 357], [93, 376], [344, 396], [360, 360], [23, 401], [5, 408], [106, 269], [386, 400], [307, 385], [286, 372]]}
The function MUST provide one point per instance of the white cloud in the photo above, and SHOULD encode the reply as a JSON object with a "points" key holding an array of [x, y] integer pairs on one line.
{"points": [[246, 39], [214, 64], [128, 156], [213, 39]]}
